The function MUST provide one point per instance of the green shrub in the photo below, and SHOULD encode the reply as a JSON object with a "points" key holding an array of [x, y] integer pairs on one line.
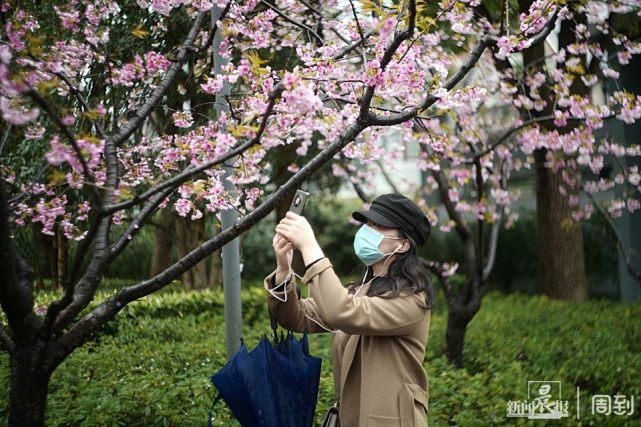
{"points": [[151, 366]]}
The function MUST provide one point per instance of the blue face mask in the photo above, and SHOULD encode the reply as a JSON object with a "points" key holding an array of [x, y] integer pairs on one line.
{"points": [[366, 244]]}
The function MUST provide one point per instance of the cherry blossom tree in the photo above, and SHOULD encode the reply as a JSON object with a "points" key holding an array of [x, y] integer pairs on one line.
{"points": [[560, 79], [550, 99], [514, 110], [80, 84]]}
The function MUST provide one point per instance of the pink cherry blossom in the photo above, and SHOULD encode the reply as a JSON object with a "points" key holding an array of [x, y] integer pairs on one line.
{"points": [[16, 114], [183, 207], [213, 85], [183, 119]]}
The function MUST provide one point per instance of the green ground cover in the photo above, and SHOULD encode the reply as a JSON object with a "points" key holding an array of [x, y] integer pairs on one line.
{"points": [[151, 366]]}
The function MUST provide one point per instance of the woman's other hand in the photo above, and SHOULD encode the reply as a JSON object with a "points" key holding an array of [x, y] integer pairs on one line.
{"points": [[284, 250], [297, 230]]}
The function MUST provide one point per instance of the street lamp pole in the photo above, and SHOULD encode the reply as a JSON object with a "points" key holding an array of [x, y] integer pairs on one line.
{"points": [[231, 251]]}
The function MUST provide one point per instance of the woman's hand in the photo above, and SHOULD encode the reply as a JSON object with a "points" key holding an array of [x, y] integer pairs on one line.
{"points": [[297, 230], [284, 250]]}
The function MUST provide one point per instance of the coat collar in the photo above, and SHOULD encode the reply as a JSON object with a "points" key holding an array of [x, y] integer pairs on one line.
{"points": [[353, 286]]}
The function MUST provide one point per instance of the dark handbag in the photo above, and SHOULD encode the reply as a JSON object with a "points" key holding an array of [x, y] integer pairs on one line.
{"points": [[331, 417]]}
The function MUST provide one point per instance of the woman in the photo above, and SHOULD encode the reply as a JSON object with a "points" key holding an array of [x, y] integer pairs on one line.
{"points": [[380, 325]]}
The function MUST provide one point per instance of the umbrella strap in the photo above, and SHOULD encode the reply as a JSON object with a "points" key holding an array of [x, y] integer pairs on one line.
{"points": [[209, 417], [274, 325]]}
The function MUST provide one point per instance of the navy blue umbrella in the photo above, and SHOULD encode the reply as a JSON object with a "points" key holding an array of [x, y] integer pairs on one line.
{"points": [[307, 371], [271, 385], [240, 406]]}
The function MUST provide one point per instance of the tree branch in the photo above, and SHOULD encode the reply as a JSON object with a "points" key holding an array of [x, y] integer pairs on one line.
{"points": [[492, 244], [547, 29], [385, 60], [5, 339], [357, 187], [78, 295], [142, 113], [45, 105], [494, 233], [443, 187], [469, 63], [480, 222], [136, 225], [360, 192], [190, 172], [350, 47], [80, 331], [439, 271], [16, 281], [388, 179], [460, 225], [515, 129], [214, 27], [74, 90], [5, 137], [358, 26], [293, 21], [312, 8], [634, 273]]}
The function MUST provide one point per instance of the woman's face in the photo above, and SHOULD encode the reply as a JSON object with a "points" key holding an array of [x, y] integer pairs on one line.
{"points": [[388, 245]]}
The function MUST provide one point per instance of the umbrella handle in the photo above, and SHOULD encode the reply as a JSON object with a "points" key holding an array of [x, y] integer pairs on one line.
{"points": [[274, 325], [216, 399]]}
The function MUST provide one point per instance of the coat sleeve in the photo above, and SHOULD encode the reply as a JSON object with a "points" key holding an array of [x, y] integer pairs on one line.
{"points": [[290, 311], [360, 315]]}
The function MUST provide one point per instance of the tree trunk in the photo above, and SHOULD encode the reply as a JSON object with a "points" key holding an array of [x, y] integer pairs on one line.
{"points": [[47, 248], [29, 386], [458, 317], [215, 274], [561, 268], [182, 245], [189, 234], [199, 275], [61, 258], [161, 255], [455, 337]]}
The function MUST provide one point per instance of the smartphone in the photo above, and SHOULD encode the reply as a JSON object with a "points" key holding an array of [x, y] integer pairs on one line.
{"points": [[300, 198]]}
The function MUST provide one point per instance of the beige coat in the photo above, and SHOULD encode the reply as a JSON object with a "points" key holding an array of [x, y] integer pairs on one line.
{"points": [[377, 353]]}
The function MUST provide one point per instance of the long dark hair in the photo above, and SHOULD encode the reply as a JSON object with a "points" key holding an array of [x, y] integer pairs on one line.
{"points": [[407, 273]]}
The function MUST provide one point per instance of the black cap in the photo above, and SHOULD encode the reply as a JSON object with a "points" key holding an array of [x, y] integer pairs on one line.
{"points": [[394, 210]]}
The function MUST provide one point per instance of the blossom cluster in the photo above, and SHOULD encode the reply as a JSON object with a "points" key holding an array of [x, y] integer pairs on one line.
{"points": [[295, 77]]}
